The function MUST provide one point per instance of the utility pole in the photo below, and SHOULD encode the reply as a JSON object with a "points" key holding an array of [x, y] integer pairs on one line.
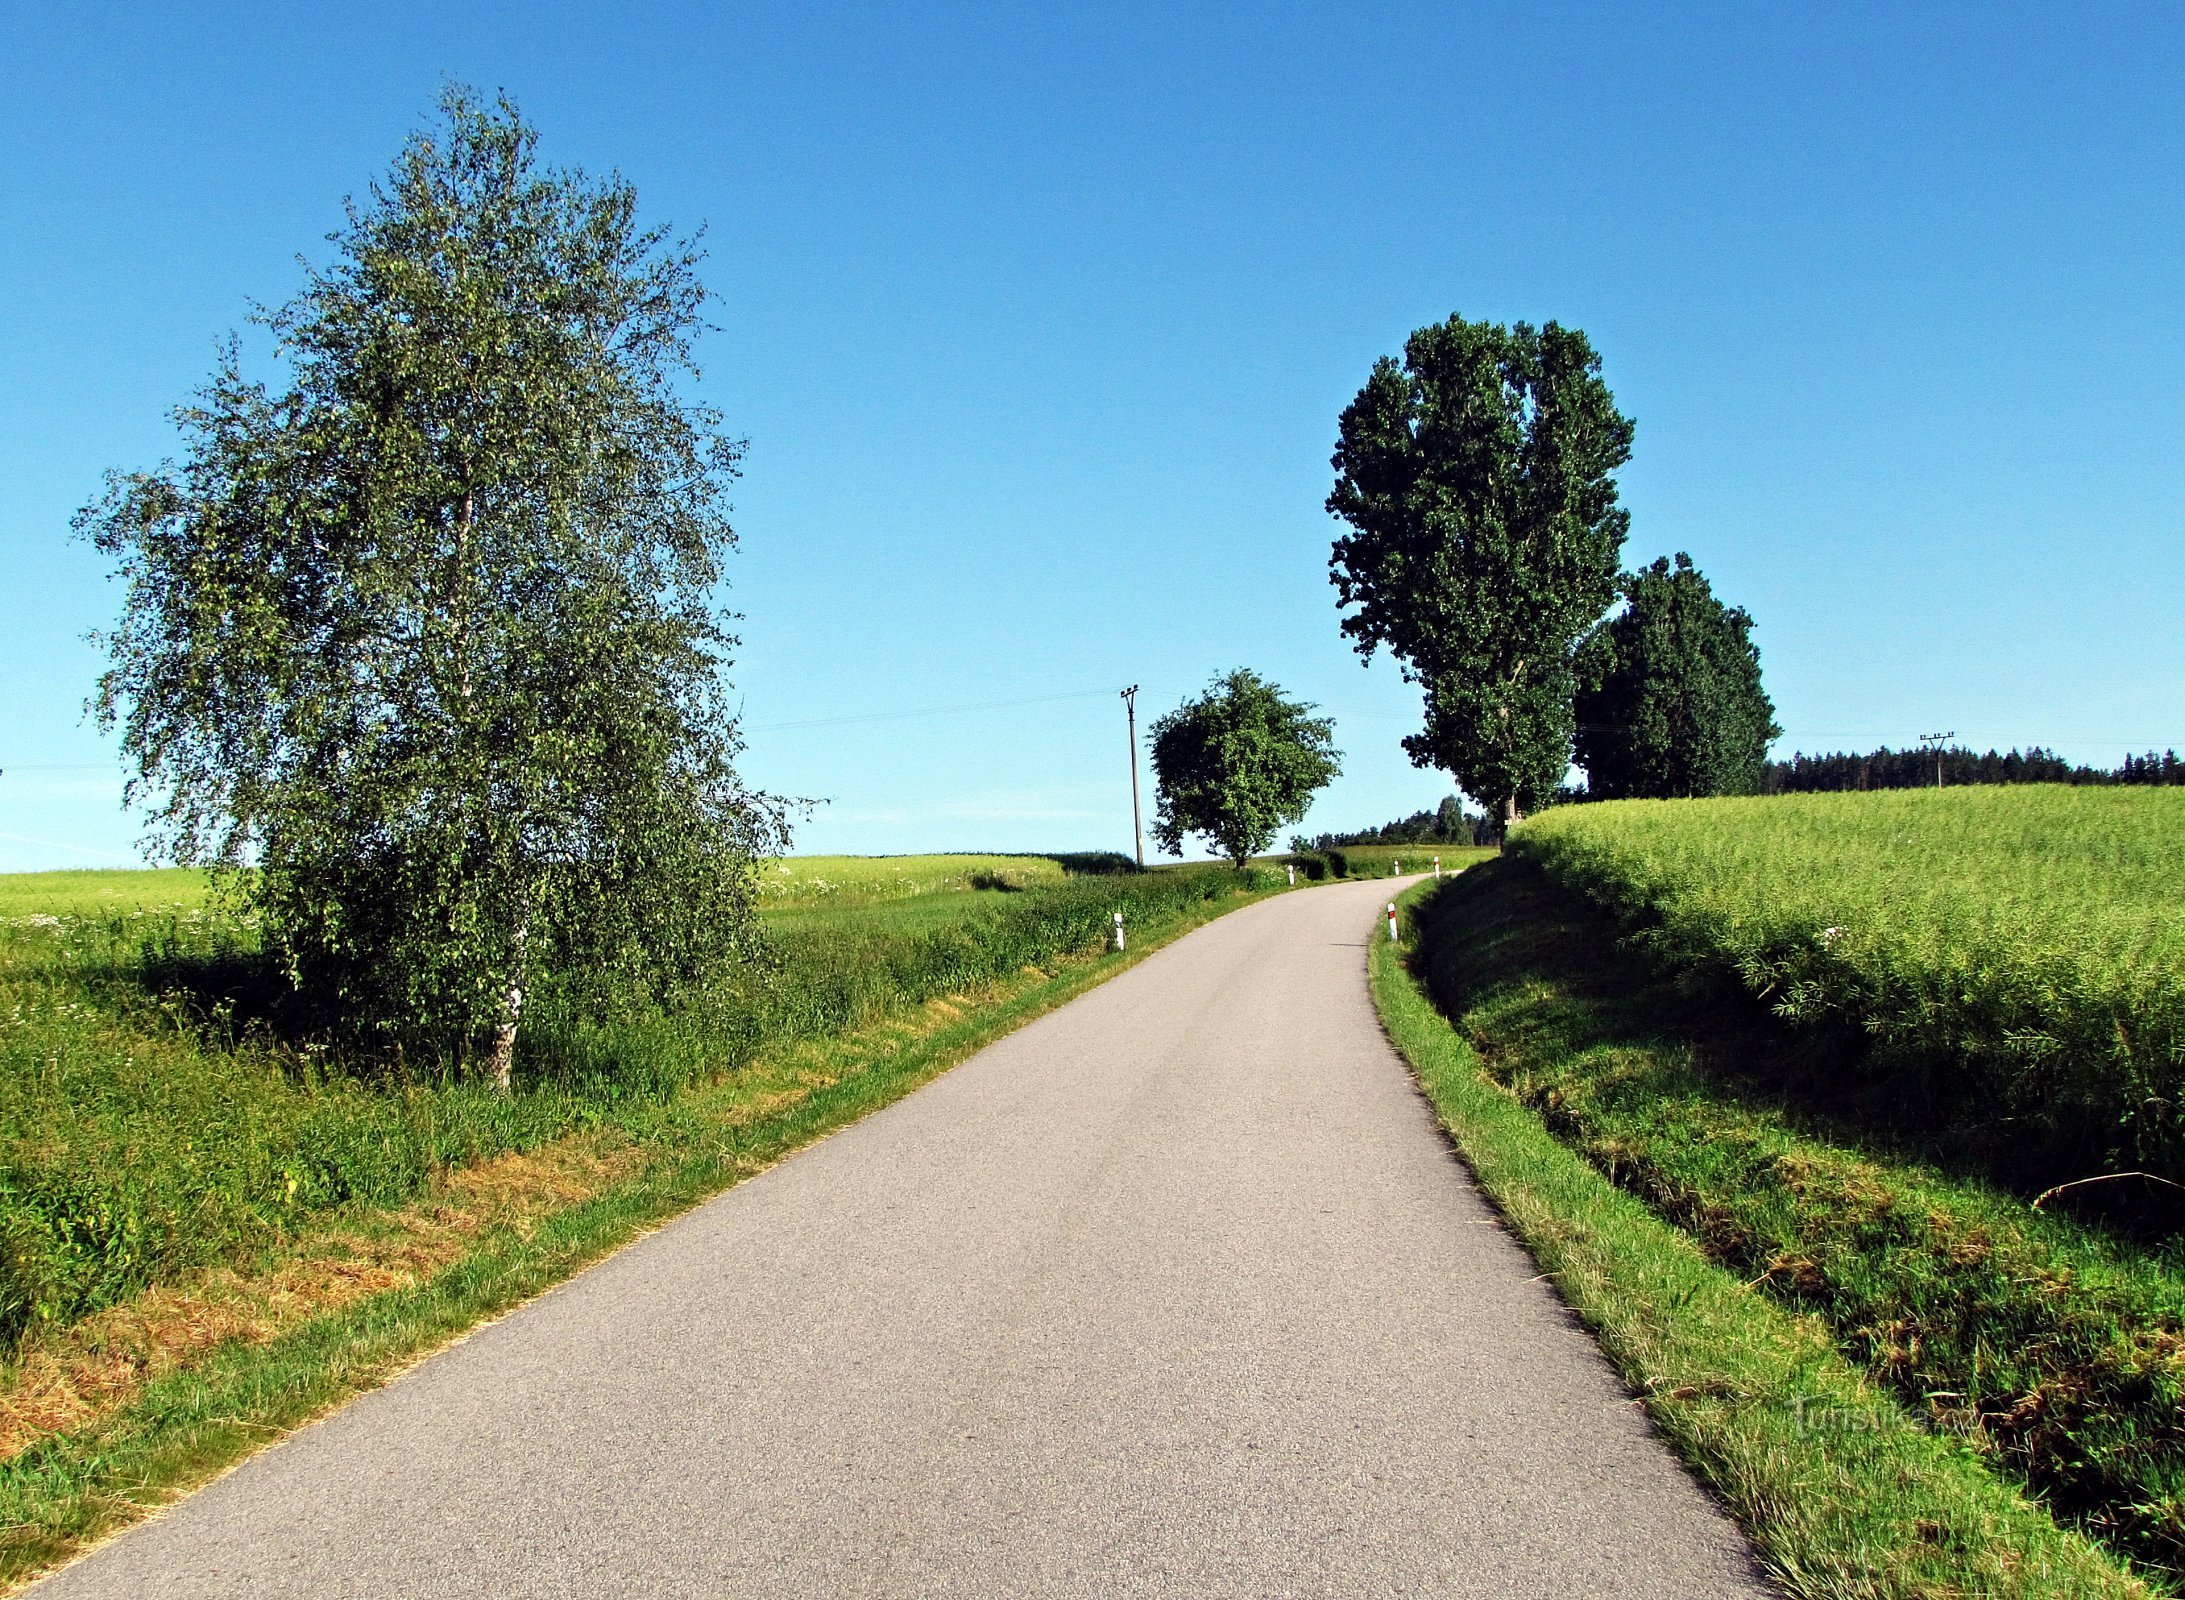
{"points": [[1137, 826], [1934, 742]]}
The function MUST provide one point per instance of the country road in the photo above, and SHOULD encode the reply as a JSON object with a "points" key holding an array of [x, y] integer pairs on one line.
{"points": [[1176, 1291]]}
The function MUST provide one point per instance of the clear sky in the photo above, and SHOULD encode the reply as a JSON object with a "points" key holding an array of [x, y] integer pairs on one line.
{"points": [[1038, 320]]}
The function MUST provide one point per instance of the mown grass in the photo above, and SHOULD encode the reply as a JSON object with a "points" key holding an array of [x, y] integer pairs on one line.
{"points": [[2013, 958], [196, 1412], [1846, 1490], [147, 1127]]}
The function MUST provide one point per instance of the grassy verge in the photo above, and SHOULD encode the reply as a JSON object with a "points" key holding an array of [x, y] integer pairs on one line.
{"points": [[1845, 1492], [161, 1391]]}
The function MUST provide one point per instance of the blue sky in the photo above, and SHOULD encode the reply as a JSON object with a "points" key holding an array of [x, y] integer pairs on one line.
{"points": [[1038, 321]]}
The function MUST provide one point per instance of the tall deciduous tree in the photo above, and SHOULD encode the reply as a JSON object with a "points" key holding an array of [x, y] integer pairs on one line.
{"points": [[1475, 475], [1669, 700], [429, 636], [1236, 764]]}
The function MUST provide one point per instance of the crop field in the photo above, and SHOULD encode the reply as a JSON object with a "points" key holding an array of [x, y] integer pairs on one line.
{"points": [[148, 1126], [2012, 960]]}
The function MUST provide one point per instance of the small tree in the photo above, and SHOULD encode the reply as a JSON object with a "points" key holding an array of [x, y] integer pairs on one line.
{"points": [[428, 637], [1236, 764], [1670, 701], [1476, 478]]}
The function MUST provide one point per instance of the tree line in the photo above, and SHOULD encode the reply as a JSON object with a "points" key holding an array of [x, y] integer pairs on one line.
{"points": [[1916, 769]]}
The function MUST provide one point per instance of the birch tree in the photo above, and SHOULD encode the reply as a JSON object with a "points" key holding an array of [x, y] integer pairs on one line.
{"points": [[423, 644]]}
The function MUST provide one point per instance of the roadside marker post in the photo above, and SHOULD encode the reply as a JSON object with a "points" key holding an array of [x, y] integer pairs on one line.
{"points": [[1293, 874], [1392, 922], [1119, 930], [1437, 867]]}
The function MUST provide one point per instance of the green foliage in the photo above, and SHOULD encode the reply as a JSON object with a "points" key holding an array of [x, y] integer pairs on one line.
{"points": [[1237, 764], [2012, 960], [429, 636], [145, 1130], [2050, 1348], [1476, 479], [1669, 700]]}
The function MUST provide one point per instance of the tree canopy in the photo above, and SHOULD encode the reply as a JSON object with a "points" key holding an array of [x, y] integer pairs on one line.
{"points": [[1476, 477], [1669, 701], [429, 635], [1237, 764]]}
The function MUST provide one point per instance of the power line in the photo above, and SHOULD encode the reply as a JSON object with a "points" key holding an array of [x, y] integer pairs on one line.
{"points": [[928, 711]]}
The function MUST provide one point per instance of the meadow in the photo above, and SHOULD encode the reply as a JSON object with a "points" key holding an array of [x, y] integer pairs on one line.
{"points": [[2005, 966], [149, 1125]]}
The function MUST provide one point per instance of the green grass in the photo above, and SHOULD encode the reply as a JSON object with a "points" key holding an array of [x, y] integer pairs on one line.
{"points": [[143, 1132], [2008, 963], [1846, 1490]]}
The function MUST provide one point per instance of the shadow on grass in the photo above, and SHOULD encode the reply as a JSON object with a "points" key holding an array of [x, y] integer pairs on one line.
{"points": [[1520, 928]]}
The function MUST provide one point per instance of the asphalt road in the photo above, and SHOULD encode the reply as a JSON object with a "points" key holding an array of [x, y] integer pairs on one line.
{"points": [[1176, 1291]]}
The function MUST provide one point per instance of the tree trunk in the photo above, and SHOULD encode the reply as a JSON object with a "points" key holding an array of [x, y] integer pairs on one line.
{"points": [[1511, 816], [503, 1058]]}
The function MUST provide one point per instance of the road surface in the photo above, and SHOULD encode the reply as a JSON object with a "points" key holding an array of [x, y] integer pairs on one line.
{"points": [[1176, 1291]]}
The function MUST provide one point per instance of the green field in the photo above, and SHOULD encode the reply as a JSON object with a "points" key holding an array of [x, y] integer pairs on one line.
{"points": [[93, 894], [2005, 962], [148, 1124]]}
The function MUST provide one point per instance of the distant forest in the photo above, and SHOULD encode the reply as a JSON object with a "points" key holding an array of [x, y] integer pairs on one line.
{"points": [[1915, 769], [1451, 824]]}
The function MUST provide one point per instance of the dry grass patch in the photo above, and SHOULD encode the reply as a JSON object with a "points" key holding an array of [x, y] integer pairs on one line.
{"points": [[73, 1376]]}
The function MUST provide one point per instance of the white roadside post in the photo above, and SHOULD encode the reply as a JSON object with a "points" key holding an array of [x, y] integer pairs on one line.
{"points": [[1437, 866], [1119, 930], [1291, 867], [1392, 922]]}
